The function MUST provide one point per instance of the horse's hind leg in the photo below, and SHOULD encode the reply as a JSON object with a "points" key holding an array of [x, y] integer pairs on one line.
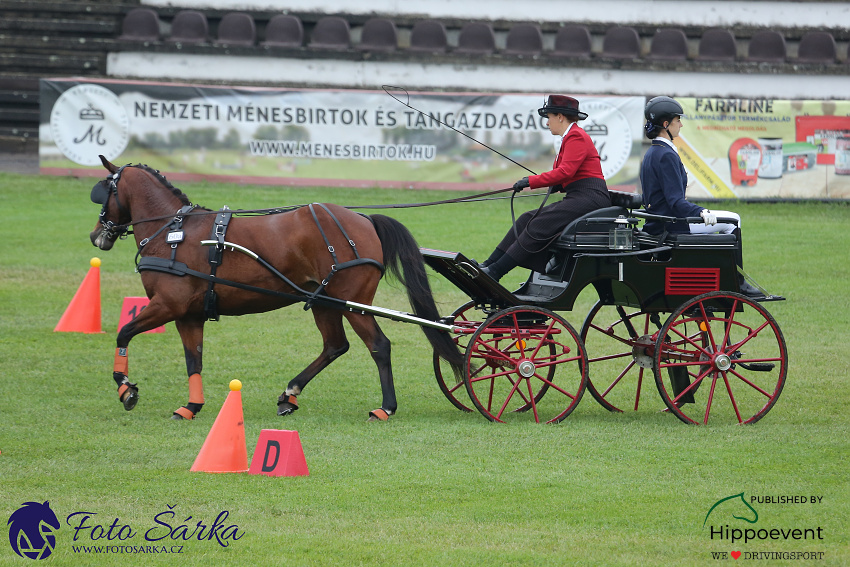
{"points": [[379, 346], [192, 334], [329, 322], [151, 317]]}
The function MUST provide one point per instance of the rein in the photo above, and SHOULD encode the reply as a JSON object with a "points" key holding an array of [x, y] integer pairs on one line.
{"points": [[124, 228]]}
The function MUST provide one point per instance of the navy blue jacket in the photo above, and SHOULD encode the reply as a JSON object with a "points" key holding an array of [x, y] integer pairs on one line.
{"points": [[664, 180]]}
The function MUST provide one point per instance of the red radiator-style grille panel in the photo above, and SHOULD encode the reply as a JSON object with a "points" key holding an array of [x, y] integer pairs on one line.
{"points": [[691, 281]]}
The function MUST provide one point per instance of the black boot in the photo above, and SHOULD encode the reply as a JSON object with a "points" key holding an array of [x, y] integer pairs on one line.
{"points": [[494, 257], [500, 267], [744, 286]]}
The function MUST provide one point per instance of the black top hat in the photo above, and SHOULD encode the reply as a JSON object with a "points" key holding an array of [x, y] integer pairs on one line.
{"points": [[561, 104]]}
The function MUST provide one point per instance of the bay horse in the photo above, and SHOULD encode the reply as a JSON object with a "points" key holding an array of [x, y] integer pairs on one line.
{"points": [[267, 261]]}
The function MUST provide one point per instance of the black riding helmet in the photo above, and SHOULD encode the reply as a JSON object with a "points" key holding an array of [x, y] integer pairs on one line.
{"points": [[659, 110]]}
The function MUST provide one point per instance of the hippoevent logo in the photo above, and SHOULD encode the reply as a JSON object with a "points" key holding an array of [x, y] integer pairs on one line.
{"points": [[732, 520], [33, 527], [31, 530]]}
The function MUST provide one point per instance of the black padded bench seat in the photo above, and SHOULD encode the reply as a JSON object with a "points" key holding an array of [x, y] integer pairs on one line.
{"points": [[582, 234], [689, 240]]}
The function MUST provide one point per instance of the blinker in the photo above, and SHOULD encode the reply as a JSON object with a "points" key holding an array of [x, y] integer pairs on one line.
{"points": [[100, 193]]}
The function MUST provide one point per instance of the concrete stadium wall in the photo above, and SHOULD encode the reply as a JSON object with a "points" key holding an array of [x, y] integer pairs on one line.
{"points": [[721, 13], [469, 77]]}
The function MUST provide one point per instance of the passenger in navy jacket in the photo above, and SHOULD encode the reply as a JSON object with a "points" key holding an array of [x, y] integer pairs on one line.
{"points": [[664, 180], [577, 172]]}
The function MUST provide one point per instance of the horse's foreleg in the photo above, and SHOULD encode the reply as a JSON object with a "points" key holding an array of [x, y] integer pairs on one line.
{"points": [[379, 346], [150, 318], [329, 322], [192, 334]]}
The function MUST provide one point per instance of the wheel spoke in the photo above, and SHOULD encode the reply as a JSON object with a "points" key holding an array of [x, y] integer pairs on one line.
{"points": [[732, 397]]}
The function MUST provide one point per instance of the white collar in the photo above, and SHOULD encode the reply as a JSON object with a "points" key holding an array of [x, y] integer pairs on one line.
{"points": [[668, 142], [559, 140]]}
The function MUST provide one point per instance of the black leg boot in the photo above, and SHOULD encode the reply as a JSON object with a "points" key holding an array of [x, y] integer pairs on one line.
{"points": [[494, 257], [744, 286], [500, 267]]}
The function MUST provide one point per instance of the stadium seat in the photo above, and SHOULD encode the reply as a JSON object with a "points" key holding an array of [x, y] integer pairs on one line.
{"points": [[140, 24], [429, 36], [817, 47], [476, 38], [237, 28], [669, 45], [189, 26], [767, 46], [524, 39], [572, 41], [621, 42], [717, 45], [378, 34], [284, 30], [331, 32]]}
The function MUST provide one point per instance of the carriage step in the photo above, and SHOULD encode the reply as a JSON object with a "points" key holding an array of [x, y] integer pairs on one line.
{"points": [[757, 366]]}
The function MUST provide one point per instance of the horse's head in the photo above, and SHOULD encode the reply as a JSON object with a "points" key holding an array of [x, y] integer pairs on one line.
{"points": [[114, 215]]}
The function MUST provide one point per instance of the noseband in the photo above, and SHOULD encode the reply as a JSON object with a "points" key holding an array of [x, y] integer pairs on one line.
{"points": [[100, 194]]}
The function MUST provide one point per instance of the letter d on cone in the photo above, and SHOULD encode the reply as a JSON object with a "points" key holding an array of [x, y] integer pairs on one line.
{"points": [[83, 313], [225, 449], [279, 453]]}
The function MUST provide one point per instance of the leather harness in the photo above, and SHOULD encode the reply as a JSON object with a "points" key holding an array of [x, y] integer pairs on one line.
{"points": [[217, 236]]}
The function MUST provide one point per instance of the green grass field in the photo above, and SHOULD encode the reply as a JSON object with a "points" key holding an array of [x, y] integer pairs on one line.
{"points": [[434, 486]]}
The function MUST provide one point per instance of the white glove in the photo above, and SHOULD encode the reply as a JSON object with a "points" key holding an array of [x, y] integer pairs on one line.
{"points": [[708, 217]]}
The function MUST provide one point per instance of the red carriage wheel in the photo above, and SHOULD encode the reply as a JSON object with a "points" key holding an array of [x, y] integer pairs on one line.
{"points": [[516, 357], [469, 319], [619, 342], [720, 355]]}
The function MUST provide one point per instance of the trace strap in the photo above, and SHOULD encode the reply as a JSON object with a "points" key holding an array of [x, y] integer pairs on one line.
{"points": [[336, 266]]}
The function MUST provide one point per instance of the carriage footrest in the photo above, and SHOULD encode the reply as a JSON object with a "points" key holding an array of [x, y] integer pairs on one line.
{"points": [[757, 366], [465, 274]]}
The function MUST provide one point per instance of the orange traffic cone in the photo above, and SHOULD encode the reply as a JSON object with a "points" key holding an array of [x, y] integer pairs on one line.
{"points": [[83, 313], [225, 449]]}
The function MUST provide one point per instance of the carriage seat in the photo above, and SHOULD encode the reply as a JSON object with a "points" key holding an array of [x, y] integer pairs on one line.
{"points": [[581, 234], [683, 240], [627, 200]]}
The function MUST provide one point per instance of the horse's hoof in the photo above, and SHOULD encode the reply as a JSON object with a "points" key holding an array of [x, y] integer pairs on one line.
{"points": [[286, 409], [379, 414], [286, 404], [130, 399], [183, 413]]}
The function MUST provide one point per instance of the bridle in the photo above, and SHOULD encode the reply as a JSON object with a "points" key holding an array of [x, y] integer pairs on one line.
{"points": [[100, 194]]}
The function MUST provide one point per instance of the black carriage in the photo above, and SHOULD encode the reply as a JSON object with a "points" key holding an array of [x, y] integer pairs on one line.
{"points": [[669, 307]]}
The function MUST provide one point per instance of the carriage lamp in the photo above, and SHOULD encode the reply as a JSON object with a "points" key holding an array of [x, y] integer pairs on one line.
{"points": [[620, 236]]}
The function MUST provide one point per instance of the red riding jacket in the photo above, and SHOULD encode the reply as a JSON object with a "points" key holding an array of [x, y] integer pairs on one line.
{"points": [[577, 159]]}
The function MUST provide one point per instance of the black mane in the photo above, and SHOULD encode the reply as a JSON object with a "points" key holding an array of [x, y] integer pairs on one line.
{"points": [[161, 178]]}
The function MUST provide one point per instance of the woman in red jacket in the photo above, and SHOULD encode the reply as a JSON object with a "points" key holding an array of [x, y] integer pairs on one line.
{"points": [[577, 173]]}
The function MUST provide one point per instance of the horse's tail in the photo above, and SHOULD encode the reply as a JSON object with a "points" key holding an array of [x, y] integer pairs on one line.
{"points": [[403, 259]]}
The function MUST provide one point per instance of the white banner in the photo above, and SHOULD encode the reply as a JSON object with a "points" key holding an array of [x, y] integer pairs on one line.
{"points": [[321, 137]]}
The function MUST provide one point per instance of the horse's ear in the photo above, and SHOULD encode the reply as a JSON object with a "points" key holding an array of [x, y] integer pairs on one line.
{"points": [[111, 167]]}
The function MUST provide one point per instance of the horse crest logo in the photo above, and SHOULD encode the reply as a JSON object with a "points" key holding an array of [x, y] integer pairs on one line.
{"points": [[31, 530], [737, 509]]}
